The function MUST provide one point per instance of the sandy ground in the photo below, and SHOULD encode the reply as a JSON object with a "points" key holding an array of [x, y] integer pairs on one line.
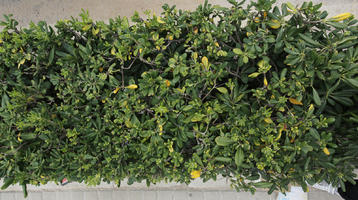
{"points": [[52, 10]]}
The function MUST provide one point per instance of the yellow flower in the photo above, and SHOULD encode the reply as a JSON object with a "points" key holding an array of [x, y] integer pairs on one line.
{"points": [[341, 17], [132, 87], [257, 20], [195, 30], [195, 174], [295, 101], [326, 151], [167, 83]]}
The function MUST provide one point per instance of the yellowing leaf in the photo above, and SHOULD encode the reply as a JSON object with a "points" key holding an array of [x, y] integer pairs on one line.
{"points": [[170, 37], [155, 36], [275, 24], [265, 82], [160, 21], [95, 31], [116, 90], [18, 138], [87, 27], [291, 7], [167, 82], [217, 44], [248, 34], [253, 75], [257, 20], [311, 107], [21, 63], [1, 41], [195, 174], [205, 62], [295, 101], [132, 87], [195, 55], [160, 129], [268, 120], [279, 134], [113, 51], [100, 69], [341, 17], [326, 151], [140, 50], [157, 47]]}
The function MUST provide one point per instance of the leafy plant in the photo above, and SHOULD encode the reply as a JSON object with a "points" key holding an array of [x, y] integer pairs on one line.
{"points": [[263, 95]]}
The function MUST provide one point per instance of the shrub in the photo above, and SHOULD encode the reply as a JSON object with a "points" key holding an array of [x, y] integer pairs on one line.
{"points": [[263, 95]]}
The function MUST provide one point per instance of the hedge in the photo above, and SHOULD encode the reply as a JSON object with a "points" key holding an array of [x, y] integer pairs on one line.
{"points": [[263, 95]]}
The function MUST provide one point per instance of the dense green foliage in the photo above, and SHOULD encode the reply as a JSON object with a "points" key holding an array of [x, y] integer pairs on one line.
{"points": [[257, 93]]}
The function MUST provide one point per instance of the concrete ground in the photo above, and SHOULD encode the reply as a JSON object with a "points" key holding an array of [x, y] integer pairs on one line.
{"points": [[51, 11], [218, 190]]}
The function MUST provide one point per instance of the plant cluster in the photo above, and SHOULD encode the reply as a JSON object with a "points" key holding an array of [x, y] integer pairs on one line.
{"points": [[263, 95]]}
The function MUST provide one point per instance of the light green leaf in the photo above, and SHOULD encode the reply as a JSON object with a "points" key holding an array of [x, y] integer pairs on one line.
{"points": [[237, 51], [222, 90], [316, 97], [223, 141]]}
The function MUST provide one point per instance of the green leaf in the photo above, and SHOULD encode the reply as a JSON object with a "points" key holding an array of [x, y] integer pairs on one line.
{"points": [[198, 159], [239, 157], [310, 40], [197, 117], [52, 54], [263, 184], [353, 82], [28, 136], [222, 90], [237, 51], [4, 100], [306, 148], [24, 190], [253, 75], [316, 97], [223, 159], [7, 183], [223, 141], [314, 133]]}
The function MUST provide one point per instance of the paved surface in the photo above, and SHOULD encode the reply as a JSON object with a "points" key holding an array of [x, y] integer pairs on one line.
{"points": [[53, 10], [152, 195], [218, 190]]}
